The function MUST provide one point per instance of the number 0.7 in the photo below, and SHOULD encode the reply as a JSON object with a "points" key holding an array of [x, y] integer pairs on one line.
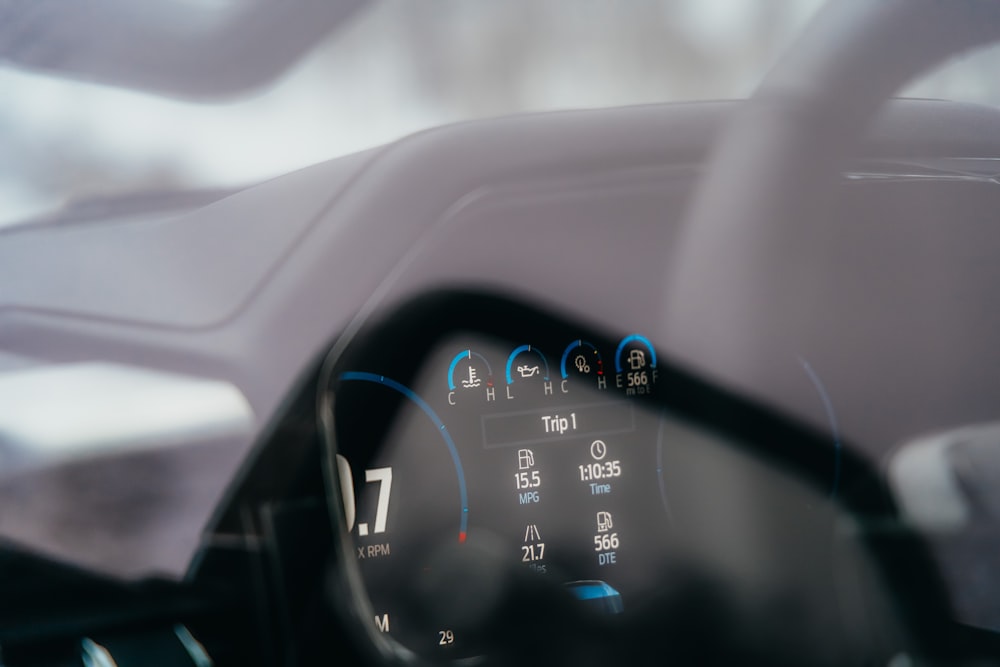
{"points": [[381, 475]]}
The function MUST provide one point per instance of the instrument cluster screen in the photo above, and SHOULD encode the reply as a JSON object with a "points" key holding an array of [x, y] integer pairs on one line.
{"points": [[542, 459]]}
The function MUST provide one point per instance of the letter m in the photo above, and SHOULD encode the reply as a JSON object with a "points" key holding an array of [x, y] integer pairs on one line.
{"points": [[382, 622]]}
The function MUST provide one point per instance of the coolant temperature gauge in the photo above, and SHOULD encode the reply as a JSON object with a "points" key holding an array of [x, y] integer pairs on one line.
{"points": [[469, 374]]}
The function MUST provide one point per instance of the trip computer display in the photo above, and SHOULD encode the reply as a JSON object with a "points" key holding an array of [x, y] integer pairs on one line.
{"points": [[540, 454]]}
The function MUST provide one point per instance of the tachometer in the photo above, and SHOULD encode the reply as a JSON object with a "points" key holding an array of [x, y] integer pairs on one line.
{"points": [[384, 475]]}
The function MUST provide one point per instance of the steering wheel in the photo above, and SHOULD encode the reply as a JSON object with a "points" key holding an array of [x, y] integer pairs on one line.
{"points": [[735, 297], [736, 305]]}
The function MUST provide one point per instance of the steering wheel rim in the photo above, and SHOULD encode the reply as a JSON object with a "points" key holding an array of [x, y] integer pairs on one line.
{"points": [[734, 307]]}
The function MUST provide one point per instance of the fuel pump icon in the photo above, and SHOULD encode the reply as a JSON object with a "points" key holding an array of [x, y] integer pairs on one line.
{"points": [[525, 459], [636, 359]]}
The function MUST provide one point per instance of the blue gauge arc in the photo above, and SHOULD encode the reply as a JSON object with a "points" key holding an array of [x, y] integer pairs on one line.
{"points": [[572, 346], [831, 416], [465, 354], [438, 425], [520, 350], [634, 338]]}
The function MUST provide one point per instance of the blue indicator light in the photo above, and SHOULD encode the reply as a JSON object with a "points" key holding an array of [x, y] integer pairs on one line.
{"points": [[597, 594]]}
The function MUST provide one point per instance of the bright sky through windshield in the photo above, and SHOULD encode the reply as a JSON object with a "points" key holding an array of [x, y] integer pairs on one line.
{"points": [[395, 69]]}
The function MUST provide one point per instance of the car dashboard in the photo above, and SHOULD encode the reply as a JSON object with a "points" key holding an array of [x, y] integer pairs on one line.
{"points": [[472, 438]]}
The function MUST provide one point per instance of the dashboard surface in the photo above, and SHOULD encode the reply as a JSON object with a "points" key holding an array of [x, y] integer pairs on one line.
{"points": [[489, 433]]}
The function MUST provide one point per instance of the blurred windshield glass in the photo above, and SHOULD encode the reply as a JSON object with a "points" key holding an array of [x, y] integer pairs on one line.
{"points": [[394, 68]]}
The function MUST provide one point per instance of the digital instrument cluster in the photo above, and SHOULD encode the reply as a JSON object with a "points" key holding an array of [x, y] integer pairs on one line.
{"points": [[540, 456]]}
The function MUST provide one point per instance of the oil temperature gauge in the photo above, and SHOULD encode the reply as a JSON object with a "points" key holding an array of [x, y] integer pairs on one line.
{"points": [[581, 361]]}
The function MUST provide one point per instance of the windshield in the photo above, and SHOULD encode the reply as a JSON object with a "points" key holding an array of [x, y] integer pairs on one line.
{"points": [[392, 69], [395, 68]]}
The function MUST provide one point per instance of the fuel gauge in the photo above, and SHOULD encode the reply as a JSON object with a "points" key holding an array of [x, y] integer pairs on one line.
{"points": [[635, 365]]}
